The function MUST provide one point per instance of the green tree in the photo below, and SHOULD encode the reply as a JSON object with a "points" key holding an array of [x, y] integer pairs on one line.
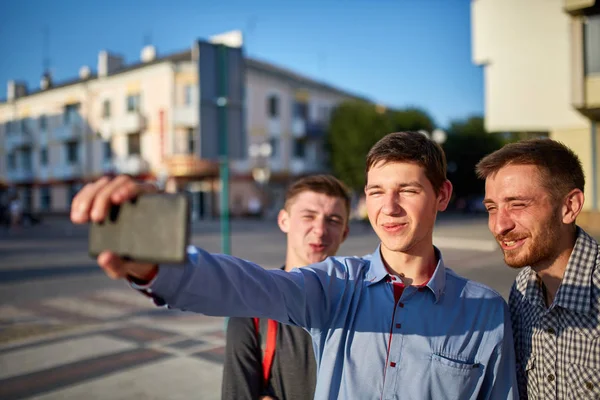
{"points": [[356, 126], [467, 142]]}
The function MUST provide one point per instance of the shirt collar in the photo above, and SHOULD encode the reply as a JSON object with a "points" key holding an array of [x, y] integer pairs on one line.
{"points": [[377, 272], [575, 291]]}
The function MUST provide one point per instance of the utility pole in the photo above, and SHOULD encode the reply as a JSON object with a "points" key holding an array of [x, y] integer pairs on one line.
{"points": [[222, 100]]}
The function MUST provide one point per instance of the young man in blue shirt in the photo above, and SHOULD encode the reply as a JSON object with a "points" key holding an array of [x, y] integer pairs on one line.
{"points": [[393, 324]]}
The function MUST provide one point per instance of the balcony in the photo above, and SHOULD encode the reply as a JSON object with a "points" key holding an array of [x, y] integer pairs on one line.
{"points": [[187, 116], [19, 175], [316, 130], [298, 127], [44, 173], [42, 139], [577, 6], [299, 166], [69, 131], [106, 128], [132, 165], [13, 140], [274, 127], [67, 171], [131, 122]]}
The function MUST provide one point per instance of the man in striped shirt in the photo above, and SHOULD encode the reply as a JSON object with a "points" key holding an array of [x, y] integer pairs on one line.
{"points": [[534, 193]]}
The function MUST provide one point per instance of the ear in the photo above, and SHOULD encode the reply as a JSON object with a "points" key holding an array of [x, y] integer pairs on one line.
{"points": [[572, 205], [283, 220], [444, 195], [346, 232]]}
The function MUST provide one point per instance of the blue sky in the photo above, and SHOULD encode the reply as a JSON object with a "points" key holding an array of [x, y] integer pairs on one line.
{"points": [[397, 52]]}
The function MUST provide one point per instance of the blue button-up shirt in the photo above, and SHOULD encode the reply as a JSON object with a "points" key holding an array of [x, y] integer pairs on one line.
{"points": [[451, 340]]}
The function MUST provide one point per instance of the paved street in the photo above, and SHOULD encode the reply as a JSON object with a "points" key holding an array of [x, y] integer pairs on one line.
{"points": [[69, 332]]}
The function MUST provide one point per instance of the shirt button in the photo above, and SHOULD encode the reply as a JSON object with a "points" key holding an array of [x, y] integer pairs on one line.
{"points": [[551, 378], [398, 326], [401, 305], [421, 289], [589, 385], [551, 331], [392, 364]]}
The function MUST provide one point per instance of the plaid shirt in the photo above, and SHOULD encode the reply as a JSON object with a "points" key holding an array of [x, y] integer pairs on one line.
{"points": [[558, 348]]}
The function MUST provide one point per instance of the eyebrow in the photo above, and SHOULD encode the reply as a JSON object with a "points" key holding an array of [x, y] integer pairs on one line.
{"points": [[309, 211], [507, 199], [402, 185]]}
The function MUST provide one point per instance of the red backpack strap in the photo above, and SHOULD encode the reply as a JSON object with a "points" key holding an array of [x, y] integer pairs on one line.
{"points": [[269, 353]]}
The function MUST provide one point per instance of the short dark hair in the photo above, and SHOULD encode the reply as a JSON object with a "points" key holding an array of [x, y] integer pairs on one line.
{"points": [[560, 167], [324, 184], [413, 147]]}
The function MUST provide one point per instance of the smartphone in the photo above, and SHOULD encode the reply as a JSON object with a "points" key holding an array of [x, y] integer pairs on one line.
{"points": [[151, 228]]}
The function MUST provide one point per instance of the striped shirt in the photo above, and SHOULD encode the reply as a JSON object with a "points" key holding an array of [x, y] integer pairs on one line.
{"points": [[558, 347]]}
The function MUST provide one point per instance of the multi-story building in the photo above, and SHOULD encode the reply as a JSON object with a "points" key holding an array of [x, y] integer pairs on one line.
{"points": [[541, 61], [144, 119]]}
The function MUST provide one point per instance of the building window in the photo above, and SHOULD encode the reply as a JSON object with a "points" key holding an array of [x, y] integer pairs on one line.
{"points": [[133, 103], [591, 37], [71, 113], [44, 156], [11, 161], [187, 95], [72, 152], [26, 193], [106, 150], [45, 198], [43, 123], [24, 126], [301, 110], [273, 106], [274, 147], [299, 147], [106, 109], [191, 141], [26, 161], [133, 144]]}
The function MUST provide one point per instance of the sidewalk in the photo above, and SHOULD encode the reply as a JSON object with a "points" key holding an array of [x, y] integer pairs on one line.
{"points": [[108, 344]]}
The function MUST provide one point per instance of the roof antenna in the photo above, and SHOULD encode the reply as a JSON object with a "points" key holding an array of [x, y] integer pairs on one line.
{"points": [[148, 38], [46, 50]]}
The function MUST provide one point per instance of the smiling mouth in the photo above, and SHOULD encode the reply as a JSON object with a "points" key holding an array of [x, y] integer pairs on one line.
{"points": [[393, 227], [318, 247], [511, 244]]}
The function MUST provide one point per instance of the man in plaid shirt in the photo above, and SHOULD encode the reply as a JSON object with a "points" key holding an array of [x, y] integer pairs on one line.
{"points": [[534, 193]]}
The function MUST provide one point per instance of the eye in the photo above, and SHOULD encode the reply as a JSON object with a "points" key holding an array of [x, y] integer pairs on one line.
{"points": [[409, 191], [373, 193], [490, 209], [517, 205], [334, 221]]}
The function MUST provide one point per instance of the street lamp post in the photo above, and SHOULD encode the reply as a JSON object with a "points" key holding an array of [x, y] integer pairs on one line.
{"points": [[261, 170]]}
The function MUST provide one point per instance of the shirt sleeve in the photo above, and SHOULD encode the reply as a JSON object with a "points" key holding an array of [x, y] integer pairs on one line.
{"points": [[222, 285], [242, 369]]}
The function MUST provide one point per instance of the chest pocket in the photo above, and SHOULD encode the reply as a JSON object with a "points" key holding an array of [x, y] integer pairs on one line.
{"points": [[457, 379], [584, 382], [532, 378]]}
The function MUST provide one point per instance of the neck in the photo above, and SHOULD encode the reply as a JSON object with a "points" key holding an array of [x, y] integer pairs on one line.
{"points": [[552, 270], [413, 267]]}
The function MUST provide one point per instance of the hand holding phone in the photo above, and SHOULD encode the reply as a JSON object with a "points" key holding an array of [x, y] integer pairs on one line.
{"points": [[151, 228]]}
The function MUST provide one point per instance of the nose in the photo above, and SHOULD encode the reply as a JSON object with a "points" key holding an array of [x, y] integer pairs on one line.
{"points": [[319, 226], [500, 222], [391, 204]]}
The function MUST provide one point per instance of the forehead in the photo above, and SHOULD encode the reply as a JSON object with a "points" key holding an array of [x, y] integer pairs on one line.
{"points": [[513, 180], [396, 173], [317, 202]]}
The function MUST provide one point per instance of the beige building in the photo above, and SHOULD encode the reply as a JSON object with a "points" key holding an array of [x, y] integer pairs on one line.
{"points": [[143, 119], [541, 61]]}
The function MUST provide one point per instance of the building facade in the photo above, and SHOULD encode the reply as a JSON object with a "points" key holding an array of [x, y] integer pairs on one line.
{"points": [[541, 62], [144, 119]]}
